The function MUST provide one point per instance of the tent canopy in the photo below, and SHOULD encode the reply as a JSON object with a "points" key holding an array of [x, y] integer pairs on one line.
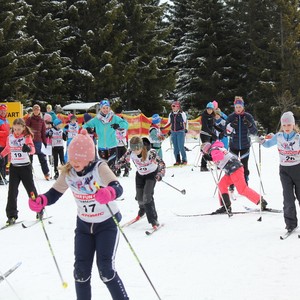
{"points": [[81, 106]]}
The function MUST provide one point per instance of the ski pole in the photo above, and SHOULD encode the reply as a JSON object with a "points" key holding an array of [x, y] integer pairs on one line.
{"points": [[258, 171], [219, 177], [64, 283], [10, 286], [221, 196], [183, 192], [128, 243], [260, 187]]}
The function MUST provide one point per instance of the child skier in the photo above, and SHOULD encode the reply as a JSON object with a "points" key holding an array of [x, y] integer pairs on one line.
{"points": [[122, 138], [96, 231], [288, 143], [150, 168], [234, 173], [19, 145], [57, 138], [155, 135], [71, 130]]}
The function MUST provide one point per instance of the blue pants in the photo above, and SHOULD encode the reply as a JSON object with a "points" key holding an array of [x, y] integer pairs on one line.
{"points": [[178, 138], [102, 239]]}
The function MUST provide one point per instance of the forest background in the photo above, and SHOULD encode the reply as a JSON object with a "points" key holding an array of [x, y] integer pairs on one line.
{"points": [[145, 52]]}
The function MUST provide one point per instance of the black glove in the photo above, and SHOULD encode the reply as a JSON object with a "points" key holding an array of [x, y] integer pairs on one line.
{"points": [[90, 130], [214, 137], [234, 123], [115, 126], [221, 135], [185, 131], [247, 122], [169, 133], [207, 157], [158, 177], [26, 148], [49, 133]]}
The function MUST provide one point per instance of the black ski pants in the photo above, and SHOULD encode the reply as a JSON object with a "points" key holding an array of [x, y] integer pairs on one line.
{"points": [[290, 180], [16, 175]]}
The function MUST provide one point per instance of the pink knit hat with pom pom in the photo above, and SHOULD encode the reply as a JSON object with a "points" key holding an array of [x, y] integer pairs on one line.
{"points": [[82, 148]]}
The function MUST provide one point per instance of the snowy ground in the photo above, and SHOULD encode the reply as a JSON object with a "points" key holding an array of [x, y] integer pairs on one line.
{"points": [[196, 258]]}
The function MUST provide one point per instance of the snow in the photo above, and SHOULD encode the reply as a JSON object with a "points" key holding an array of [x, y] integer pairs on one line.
{"points": [[194, 258]]}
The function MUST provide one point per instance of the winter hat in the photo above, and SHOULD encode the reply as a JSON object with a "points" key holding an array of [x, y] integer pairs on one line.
{"points": [[176, 103], [104, 102], [36, 106], [86, 117], [71, 117], [57, 122], [238, 101], [218, 111], [47, 118], [136, 143], [210, 105], [287, 118], [3, 107], [82, 148], [156, 119], [216, 104], [205, 147]]}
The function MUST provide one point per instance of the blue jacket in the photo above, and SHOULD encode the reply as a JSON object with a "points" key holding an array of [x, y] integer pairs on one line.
{"points": [[245, 125]]}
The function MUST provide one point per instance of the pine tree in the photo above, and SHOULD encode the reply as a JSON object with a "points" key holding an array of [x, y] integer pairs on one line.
{"points": [[16, 58], [148, 78], [203, 57], [50, 29]]}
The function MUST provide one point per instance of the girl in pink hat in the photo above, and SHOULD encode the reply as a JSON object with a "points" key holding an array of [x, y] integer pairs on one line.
{"points": [[96, 232]]}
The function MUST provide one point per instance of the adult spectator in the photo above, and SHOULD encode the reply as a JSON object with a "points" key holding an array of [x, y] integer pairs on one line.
{"points": [[4, 132], [38, 127], [178, 122], [106, 123], [239, 126], [207, 133]]}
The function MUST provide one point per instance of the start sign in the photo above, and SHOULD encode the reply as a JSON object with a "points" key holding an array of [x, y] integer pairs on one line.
{"points": [[14, 111]]}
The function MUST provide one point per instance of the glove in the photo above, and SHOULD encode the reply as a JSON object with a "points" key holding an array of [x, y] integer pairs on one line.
{"points": [[247, 122], [221, 135], [105, 195], [26, 148], [185, 131], [38, 204], [234, 123], [261, 140], [169, 133], [90, 130], [49, 133], [115, 126], [207, 157], [158, 177], [214, 137]]}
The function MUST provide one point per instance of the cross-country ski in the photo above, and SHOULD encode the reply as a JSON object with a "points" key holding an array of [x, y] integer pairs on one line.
{"points": [[8, 272]]}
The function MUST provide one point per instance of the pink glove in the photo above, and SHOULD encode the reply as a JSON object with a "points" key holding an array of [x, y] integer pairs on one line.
{"points": [[105, 195], [38, 204]]}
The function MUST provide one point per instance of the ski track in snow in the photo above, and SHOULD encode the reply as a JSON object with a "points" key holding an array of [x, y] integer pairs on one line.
{"points": [[197, 258]]}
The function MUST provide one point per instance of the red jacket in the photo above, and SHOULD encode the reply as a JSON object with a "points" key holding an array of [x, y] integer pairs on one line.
{"points": [[4, 131], [38, 127]]}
